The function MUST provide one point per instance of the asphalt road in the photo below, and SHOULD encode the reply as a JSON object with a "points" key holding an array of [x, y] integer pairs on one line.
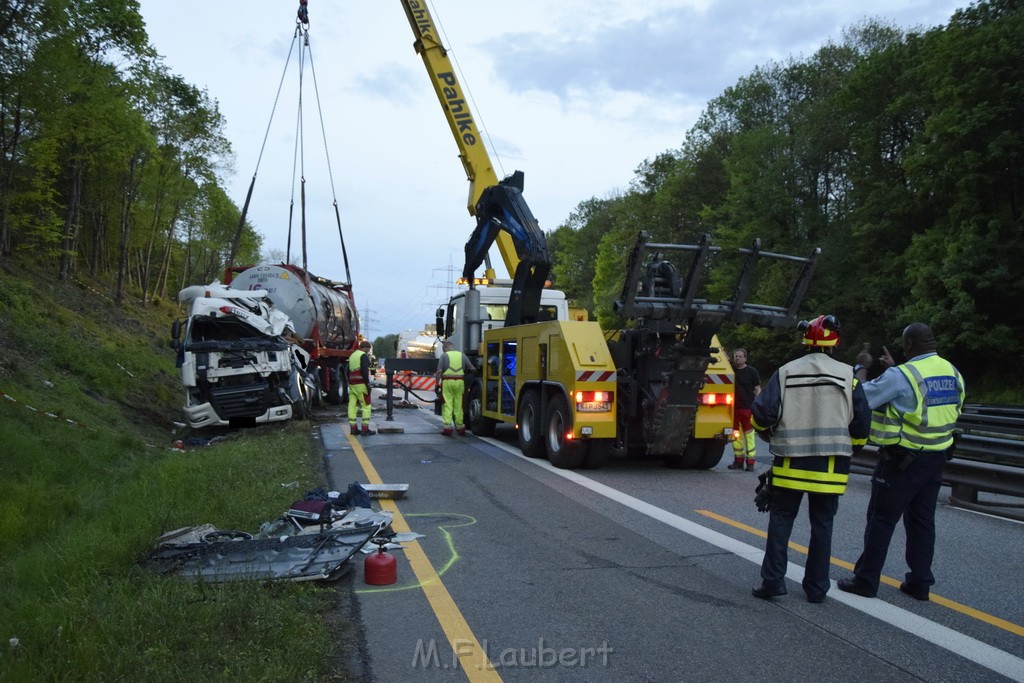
{"points": [[635, 572]]}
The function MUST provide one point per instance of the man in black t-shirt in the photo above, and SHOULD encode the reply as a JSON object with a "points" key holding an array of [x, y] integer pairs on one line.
{"points": [[748, 386]]}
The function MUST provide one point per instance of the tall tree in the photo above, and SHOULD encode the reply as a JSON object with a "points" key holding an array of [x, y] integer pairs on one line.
{"points": [[964, 271]]}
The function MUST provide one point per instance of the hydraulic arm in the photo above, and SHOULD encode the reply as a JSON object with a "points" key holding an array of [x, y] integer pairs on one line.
{"points": [[502, 214]]}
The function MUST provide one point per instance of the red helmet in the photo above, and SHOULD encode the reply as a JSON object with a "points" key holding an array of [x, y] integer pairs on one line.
{"points": [[823, 331]]}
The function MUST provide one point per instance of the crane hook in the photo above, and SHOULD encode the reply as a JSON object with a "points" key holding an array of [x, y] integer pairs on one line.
{"points": [[303, 14]]}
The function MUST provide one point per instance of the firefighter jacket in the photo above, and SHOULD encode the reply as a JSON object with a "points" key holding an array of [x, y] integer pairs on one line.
{"points": [[359, 367], [815, 415], [938, 396]]}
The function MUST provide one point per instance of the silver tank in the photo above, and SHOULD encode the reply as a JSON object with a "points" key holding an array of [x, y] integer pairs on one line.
{"points": [[310, 304]]}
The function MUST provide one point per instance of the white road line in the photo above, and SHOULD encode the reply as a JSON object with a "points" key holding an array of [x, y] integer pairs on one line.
{"points": [[969, 648]]}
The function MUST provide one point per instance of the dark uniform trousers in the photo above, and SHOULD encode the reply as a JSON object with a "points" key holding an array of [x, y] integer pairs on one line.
{"points": [[821, 510], [905, 484]]}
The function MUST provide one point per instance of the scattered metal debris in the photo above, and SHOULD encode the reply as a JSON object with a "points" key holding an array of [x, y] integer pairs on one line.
{"points": [[286, 549]]}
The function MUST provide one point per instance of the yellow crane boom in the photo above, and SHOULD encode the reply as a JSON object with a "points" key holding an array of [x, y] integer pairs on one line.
{"points": [[472, 152]]}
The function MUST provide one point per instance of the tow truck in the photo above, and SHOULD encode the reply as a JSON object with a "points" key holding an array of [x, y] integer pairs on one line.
{"points": [[660, 387]]}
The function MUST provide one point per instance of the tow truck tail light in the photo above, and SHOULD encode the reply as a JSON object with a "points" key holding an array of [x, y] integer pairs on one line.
{"points": [[716, 399], [594, 401]]}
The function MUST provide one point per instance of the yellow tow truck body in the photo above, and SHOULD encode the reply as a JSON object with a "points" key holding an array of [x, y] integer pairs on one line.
{"points": [[661, 388]]}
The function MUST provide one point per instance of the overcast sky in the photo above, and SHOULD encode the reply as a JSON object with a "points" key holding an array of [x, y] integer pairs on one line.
{"points": [[577, 94]]}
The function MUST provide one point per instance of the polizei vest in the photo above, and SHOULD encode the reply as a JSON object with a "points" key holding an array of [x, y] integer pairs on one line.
{"points": [[939, 390]]}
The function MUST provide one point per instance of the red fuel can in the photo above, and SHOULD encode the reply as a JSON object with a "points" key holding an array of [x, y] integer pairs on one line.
{"points": [[380, 569]]}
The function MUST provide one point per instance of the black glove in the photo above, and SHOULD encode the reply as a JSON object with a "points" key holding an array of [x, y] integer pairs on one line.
{"points": [[763, 492]]}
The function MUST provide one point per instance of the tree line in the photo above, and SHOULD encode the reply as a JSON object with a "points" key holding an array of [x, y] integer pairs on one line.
{"points": [[899, 154], [110, 164]]}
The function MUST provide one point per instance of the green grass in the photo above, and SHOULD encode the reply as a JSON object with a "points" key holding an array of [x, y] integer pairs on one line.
{"points": [[81, 506]]}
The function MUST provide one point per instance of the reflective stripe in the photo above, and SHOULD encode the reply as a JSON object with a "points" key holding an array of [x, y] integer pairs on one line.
{"points": [[798, 474], [815, 441]]}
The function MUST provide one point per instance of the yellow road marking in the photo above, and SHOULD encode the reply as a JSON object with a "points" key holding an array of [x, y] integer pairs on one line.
{"points": [[453, 553], [1016, 629], [473, 659]]}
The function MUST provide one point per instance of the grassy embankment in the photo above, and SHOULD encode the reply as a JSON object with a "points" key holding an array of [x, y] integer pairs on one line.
{"points": [[81, 504]]}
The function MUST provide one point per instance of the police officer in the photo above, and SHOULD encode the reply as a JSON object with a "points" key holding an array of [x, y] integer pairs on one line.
{"points": [[451, 371], [914, 409], [814, 414], [359, 389]]}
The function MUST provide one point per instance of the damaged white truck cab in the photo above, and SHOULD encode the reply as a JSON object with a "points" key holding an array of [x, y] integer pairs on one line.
{"points": [[238, 363]]}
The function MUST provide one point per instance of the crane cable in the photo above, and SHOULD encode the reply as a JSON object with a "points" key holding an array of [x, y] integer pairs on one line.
{"points": [[306, 55], [298, 160]]}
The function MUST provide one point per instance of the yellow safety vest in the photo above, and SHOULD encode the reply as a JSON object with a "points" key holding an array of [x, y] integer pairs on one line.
{"points": [[454, 369], [355, 368], [939, 390]]}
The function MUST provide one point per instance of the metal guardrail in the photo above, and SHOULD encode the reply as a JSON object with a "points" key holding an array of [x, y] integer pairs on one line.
{"points": [[988, 457]]}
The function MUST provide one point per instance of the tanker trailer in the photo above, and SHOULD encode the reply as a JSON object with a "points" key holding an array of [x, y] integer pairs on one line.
{"points": [[323, 315]]}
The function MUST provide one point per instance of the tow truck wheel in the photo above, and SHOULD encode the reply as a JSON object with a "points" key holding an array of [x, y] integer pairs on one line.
{"points": [[478, 423], [598, 451], [712, 455], [694, 455], [564, 453], [531, 434]]}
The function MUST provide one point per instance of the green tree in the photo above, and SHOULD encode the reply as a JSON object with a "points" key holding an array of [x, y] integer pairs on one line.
{"points": [[385, 346], [964, 270], [574, 246]]}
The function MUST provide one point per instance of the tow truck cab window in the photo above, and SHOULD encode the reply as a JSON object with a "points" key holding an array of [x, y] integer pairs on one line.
{"points": [[509, 350], [493, 372], [500, 312]]}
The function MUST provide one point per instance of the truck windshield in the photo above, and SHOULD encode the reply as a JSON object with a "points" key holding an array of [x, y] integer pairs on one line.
{"points": [[500, 312]]}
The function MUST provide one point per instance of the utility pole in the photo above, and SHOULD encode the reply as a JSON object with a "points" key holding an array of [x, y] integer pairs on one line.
{"points": [[448, 283], [367, 320]]}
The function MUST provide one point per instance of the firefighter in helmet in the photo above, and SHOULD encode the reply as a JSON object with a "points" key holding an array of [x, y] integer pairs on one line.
{"points": [[814, 414]]}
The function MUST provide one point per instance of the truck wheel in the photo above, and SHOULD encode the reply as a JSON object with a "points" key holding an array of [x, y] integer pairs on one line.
{"points": [[712, 455], [566, 454], [598, 451], [330, 379], [342, 387], [300, 408], [531, 433], [478, 423], [315, 391], [694, 454]]}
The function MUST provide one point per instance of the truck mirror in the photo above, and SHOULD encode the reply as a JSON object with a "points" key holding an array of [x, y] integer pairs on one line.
{"points": [[175, 342], [440, 323]]}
